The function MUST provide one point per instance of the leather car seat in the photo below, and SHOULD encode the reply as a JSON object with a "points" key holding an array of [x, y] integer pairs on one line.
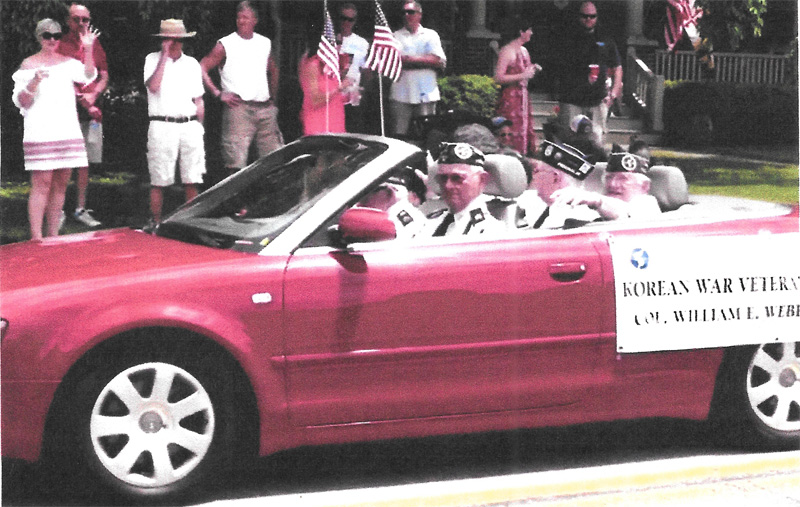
{"points": [[668, 185]]}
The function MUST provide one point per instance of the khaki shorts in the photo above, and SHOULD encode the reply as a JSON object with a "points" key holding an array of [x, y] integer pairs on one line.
{"points": [[245, 123], [170, 143]]}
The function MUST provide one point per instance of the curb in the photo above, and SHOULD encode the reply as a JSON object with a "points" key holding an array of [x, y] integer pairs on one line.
{"points": [[550, 484]]}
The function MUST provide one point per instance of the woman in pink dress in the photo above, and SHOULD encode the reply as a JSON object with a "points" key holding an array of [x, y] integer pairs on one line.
{"points": [[323, 99], [513, 71]]}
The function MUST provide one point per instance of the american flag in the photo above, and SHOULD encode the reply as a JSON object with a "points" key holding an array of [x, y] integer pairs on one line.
{"points": [[681, 14], [384, 55], [327, 48]]}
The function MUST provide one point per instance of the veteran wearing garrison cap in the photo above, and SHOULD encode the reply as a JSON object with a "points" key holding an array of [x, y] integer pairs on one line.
{"points": [[558, 166], [626, 190], [461, 179]]}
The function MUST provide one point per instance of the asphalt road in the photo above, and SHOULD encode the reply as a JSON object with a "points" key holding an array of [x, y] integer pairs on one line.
{"points": [[654, 461]]}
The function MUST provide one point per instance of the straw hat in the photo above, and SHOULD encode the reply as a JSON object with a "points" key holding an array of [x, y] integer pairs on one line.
{"points": [[173, 29]]}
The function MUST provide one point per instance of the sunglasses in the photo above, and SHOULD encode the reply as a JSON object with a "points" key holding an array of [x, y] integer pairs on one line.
{"points": [[345, 18], [505, 134], [79, 19], [456, 179], [48, 35], [588, 16], [410, 12]]}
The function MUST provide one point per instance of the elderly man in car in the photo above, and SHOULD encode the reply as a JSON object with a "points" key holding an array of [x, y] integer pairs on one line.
{"points": [[558, 167], [626, 191], [462, 179]]}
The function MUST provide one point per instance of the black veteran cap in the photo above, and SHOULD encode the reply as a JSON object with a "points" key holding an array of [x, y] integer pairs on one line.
{"points": [[566, 158], [627, 162], [460, 153]]}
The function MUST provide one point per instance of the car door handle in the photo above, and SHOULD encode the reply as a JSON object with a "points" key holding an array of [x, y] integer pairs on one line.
{"points": [[567, 271]]}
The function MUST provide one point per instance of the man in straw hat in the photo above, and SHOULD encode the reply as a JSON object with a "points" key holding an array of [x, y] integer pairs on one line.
{"points": [[175, 105]]}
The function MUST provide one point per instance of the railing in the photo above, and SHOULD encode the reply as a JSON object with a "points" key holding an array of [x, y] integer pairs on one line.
{"points": [[646, 88], [728, 67]]}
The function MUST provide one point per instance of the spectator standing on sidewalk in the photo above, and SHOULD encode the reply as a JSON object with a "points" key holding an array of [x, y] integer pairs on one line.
{"points": [[249, 88], [175, 105], [588, 62], [513, 72], [89, 113], [355, 45], [416, 92], [44, 92]]}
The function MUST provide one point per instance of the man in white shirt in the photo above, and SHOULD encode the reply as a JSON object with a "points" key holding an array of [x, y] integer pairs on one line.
{"points": [[249, 86], [462, 179], [176, 109], [416, 92], [356, 46]]}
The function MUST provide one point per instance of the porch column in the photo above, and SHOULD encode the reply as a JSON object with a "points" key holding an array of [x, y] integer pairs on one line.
{"points": [[478, 28], [636, 23]]}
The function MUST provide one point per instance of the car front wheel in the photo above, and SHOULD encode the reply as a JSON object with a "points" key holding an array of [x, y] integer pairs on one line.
{"points": [[152, 425], [149, 428]]}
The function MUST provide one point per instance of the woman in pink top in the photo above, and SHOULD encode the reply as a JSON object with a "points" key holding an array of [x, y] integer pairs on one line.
{"points": [[323, 98]]}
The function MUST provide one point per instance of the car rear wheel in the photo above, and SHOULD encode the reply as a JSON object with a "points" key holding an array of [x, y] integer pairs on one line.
{"points": [[151, 428], [761, 396]]}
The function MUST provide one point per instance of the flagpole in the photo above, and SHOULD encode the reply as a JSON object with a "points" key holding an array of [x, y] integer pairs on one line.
{"points": [[380, 94]]}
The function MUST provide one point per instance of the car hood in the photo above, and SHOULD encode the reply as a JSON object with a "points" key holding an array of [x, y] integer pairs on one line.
{"points": [[97, 254]]}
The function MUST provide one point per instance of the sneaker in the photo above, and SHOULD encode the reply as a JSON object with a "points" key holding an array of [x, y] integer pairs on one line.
{"points": [[84, 216]]}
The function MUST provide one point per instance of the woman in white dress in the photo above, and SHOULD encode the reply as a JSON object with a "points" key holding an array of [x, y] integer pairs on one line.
{"points": [[52, 141]]}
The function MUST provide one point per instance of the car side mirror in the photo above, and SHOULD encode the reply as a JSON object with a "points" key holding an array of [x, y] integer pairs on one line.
{"points": [[365, 225]]}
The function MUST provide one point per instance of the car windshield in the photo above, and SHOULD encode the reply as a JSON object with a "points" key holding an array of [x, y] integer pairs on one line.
{"points": [[252, 207]]}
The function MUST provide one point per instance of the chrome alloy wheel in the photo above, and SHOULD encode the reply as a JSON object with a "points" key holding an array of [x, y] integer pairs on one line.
{"points": [[773, 385], [152, 424]]}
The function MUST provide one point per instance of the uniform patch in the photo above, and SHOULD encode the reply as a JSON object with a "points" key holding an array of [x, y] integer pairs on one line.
{"points": [[404, 218]]}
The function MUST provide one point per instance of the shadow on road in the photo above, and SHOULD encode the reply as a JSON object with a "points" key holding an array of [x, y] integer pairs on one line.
{"points": [[400, 462]]}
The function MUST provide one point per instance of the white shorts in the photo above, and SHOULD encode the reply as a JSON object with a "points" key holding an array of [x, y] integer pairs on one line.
{"points": [[170, 143]]}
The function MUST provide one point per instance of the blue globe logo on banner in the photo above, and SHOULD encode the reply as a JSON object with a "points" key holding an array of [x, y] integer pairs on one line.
{"points": [[639, 258]]}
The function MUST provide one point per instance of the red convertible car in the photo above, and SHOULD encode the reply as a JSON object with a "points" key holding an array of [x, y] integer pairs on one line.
{"points": [[272, 313]]}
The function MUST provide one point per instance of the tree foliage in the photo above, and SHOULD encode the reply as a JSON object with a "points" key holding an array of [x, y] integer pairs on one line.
{"points": [[728, 24]]}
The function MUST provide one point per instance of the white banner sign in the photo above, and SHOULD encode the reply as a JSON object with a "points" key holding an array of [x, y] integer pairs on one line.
{"points": [[692, 293]]}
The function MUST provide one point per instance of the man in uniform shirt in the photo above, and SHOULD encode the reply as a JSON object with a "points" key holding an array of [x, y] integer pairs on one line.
{"points": [[462, 179], [626, 194], [558, 166]]}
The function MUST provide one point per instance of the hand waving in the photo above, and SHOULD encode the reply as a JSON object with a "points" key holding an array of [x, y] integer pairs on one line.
{"points": [[89, 36]]}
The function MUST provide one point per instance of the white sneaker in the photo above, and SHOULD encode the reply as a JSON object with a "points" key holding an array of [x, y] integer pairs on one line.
{"points": [[84, 216]]}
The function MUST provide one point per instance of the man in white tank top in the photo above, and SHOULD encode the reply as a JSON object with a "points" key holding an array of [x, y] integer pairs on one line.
{"points": [[248, 88]]}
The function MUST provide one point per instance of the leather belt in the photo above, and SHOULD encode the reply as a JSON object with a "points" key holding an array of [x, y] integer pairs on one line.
{"points": [[257, 103], [174, 119]]}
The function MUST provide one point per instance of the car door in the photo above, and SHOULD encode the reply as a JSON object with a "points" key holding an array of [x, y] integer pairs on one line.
{"points": [[398, 331]]}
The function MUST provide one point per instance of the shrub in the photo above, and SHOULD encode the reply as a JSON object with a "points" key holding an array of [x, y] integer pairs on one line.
{"points": [[471, 93], [729, 114]]}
